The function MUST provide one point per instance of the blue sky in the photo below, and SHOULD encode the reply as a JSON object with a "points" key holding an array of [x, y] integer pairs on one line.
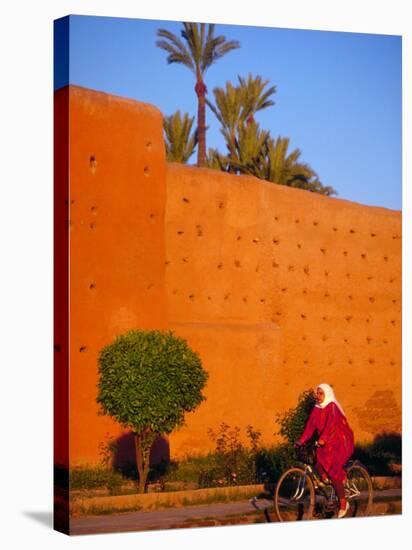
{"points": [[338, 99]]}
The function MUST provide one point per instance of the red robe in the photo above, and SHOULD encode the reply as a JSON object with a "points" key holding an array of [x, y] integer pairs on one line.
{"points": [[334, 430]]}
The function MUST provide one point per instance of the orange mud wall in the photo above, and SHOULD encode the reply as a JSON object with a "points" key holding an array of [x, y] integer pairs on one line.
{"points": [[117, 192], [277, 289]]}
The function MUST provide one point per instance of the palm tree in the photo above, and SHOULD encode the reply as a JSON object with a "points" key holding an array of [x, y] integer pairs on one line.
{"points": [[255, 97], [180, 141], [229, 111], [200, 49], [237, 105], [257, 154]]}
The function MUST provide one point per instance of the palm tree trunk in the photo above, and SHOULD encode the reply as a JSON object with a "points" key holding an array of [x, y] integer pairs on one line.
{"points": [[200, 90]]}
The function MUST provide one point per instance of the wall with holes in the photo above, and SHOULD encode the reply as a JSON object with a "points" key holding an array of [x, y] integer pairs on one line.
{"points": [[280, 289], [117, 247]]}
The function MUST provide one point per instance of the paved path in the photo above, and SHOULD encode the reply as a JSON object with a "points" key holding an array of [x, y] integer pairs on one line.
{"points": [[165, 519]]}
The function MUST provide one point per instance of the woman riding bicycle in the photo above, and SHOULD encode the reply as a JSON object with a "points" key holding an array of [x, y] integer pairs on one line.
{"points": [[335, 441]]}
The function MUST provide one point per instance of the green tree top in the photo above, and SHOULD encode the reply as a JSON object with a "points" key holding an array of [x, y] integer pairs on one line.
{"points": [[149, 380]]}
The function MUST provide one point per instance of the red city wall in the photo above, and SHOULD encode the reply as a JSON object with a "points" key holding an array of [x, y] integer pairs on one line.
{"points": [[278, 289]]}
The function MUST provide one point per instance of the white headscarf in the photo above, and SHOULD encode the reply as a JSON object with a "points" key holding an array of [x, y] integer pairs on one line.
{"points": [[329, 397]]}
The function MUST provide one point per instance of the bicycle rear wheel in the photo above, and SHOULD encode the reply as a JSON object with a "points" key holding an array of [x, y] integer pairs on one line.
{"points": [[294, 496], [358, 491]]}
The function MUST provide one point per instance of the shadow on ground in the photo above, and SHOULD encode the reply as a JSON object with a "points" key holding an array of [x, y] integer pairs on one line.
{"points": [[44, 518]]}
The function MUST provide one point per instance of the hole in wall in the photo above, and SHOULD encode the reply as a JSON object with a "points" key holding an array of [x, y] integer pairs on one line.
{"points": [[227, 296], [184, 260], [239, 238], [385, 258], [274, 264], [334, 228], [199, 231], [83, 349], [92, 286], [146, 171], [191, 296], [393, 322], [304, 291], [348, 275], [352, 231], [324, 338], [323, 250], [149, 145], [167, 262], [345, 252], [180, 232], [326, 273], [326, 295], [371, 299], [185, 199], [149, 286], [221, 205], [93, 163], [368, 339], [220, 266], [209, 298], [373, 234], [299, 245], [92, 225], [348, 318], [297, 221], [237, 263], [306, 270], [363, 256], [93, 209], [345, 340], [303, 316], [291, 267], [256, 240], [371, 361], [275, 240], [276, 218], [350, 297], [175, 291], [57, 347], [315, 223], [245, 299], [262, 300], [283, 289], [304, 338]]}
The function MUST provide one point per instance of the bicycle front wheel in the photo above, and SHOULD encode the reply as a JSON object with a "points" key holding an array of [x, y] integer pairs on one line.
{"points": [[294, 496], [358, 491]]}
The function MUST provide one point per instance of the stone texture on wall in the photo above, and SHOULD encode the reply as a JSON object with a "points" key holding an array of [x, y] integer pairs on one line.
{"points": [[280, 289], [117, 245]]}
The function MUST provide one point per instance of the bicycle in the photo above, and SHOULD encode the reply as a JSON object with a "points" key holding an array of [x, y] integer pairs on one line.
{"points": [[301, 494]]}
